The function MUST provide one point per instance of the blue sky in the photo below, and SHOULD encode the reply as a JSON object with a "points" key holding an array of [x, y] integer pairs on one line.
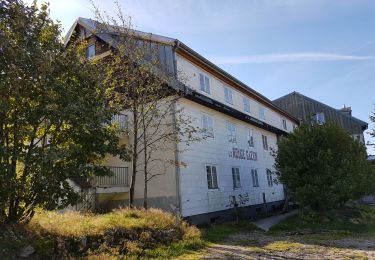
{"points": [[322, 49]]}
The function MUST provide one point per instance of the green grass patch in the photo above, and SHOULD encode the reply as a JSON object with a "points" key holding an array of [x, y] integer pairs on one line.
{"points": [[219, 232], [283, 246], [359, 220]]}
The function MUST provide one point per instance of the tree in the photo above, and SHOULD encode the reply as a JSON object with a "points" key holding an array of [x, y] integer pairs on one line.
{"points": [[149, 94], [372, 133], [54, 117], [324, 167]]}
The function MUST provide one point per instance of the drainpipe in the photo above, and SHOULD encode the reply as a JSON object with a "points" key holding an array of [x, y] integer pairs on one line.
{"points": [[178, 189]]}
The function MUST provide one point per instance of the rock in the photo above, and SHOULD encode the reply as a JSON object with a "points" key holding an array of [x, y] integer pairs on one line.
{"points": [[26, 251]]}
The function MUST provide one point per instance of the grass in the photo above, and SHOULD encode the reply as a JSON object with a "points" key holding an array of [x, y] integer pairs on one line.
{"points": [[218, 233], [347, 221], [129, 233], [283, 246], [134, 234], [74, 224]]}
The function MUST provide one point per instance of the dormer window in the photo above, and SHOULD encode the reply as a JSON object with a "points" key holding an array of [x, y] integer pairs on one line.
{"points": [[318, 118], [90, 51]]}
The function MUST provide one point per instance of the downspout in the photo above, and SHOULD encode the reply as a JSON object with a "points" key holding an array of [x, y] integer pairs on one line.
{"points": [[177, 160]]}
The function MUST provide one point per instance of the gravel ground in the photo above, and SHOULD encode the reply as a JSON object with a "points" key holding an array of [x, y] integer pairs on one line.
{"points": [[260, 245]]}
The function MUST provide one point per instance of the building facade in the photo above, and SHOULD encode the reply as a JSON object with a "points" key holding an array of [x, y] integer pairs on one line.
{"points": [[307, 110], [233, 165]]}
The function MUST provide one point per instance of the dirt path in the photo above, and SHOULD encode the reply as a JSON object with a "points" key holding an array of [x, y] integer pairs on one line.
{"points": [[260, 245]]}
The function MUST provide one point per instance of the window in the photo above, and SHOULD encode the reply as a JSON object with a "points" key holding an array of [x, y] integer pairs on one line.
{"points": [[318, 118], [254, 176], [246, 104], [207, 125], [228, 95], [262, 113], [211, 177], [250, 138], [231, 130], [269, 178], [236, 178], [90, 51], [204, 83], [284, 124], [265, 143]]}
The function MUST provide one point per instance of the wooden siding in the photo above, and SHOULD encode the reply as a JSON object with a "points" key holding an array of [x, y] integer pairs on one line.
{"points": [[303, 107]]}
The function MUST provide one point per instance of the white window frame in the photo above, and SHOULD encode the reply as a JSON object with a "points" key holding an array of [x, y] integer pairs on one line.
{"points": [[284, 124], [212, 182], [250, 137], [269, 178], [246, 104], [204, 83], [254, 177], [210, 125], [265, 142], [228, 95], [262, 113], [236, 177], [231, 132]]}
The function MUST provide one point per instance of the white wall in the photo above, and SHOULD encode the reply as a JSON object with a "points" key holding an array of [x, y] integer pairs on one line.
{"points": [[189, 74], [196, 198]]}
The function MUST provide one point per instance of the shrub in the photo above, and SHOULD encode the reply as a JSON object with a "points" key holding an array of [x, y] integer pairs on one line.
{"points": [[324, 167]]}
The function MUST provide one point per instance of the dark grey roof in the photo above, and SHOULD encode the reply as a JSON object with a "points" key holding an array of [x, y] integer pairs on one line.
{"points": [[295, 93], [94, 27]]}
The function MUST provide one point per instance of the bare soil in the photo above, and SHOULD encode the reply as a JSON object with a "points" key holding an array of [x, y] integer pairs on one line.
{"points": [[262, 245]]}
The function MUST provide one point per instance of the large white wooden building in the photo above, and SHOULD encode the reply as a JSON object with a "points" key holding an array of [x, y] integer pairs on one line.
{"points": [[235, 162]]}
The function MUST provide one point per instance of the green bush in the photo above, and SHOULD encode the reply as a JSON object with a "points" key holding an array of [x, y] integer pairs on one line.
{"points": [[324, 167]]}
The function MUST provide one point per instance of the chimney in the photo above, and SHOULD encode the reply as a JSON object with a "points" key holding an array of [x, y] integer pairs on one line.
{"points": [[346, 110]]}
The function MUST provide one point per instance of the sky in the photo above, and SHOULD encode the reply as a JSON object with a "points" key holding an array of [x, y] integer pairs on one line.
{"points": [[322, 49]]}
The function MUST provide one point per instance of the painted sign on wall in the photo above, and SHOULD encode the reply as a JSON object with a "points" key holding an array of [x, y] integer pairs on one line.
{"points": [[243, 154]]}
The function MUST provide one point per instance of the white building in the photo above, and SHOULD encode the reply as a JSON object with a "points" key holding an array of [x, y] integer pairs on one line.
{"points": [[235, 162]]}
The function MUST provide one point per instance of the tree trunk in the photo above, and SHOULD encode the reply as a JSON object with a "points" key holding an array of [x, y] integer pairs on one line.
{"points": [[145, 163], [286, 201], [134, 158], [145, 194]]}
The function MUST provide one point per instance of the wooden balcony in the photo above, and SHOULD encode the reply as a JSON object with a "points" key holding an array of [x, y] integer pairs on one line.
{"points": [[121, 121]]}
